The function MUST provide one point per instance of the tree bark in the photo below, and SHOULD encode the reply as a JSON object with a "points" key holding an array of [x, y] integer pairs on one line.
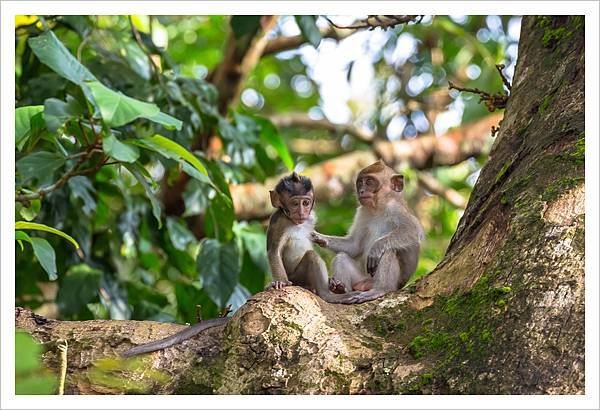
{"points": [[503, 313]]}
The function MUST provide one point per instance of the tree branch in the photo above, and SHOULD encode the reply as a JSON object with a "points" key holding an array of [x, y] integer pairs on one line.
{"points": [[292, 42], [332, 178], [304, 121], [383, 21], [431, 184]]}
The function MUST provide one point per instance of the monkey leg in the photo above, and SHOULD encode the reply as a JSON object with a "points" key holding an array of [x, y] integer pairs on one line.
{"points": [[385, 280], [347, 272], [311, 273]]}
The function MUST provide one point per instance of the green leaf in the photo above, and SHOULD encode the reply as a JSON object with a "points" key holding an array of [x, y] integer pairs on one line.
{"points": [[242, 25], [45, 228], [179, 234], [219, 267], [255, 242], [170, 123], [118, 109], [40, 165], [121, 151], [50, 51], [270, 135], [309, 29], [137, 172], [31, 212], [45, 255], [23, 117], [28, 353], [239, 296], [171, 149], [57, 112], [81, 187], [78, 288]]}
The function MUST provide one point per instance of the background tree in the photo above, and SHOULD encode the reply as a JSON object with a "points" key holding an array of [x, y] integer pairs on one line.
{"points": [[135, 269]]}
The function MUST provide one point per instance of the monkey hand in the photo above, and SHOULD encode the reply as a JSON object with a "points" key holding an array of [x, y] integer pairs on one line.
{"points": [[318, 239], [278, 284], [373, 259]]}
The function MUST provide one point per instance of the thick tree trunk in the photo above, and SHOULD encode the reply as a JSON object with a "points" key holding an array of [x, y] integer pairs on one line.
{"points": [[503, 313]]}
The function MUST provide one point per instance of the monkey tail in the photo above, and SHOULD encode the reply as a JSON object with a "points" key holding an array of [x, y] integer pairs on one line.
{"points": [[176, 338]]}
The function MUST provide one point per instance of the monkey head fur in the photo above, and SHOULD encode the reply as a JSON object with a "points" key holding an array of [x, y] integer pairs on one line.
{"points": [[377, 182], [294, 195]]}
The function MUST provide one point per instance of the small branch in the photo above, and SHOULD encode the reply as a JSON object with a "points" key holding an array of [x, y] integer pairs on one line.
{"points": [[505, 81], [383, 21], [491, 101], [304, 121], [24, 198], [292, 42], [431, 184]]}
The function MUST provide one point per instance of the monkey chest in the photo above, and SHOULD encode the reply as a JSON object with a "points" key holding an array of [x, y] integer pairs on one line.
{"points": [[296, 246]]}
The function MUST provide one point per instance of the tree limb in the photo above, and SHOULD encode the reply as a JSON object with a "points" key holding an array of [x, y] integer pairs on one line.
{"points": [[331, 178], [431, 184], [284, 43], [302, 120], [382, 21]]}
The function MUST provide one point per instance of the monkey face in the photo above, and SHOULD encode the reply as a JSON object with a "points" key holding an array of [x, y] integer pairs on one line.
{"points": [[298, 207], [367, 187]]}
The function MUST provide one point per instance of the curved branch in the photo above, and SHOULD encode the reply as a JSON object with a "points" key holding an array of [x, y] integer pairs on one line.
{"points": [[304, 121], [292, 42], [431, 184], [383, 21]]}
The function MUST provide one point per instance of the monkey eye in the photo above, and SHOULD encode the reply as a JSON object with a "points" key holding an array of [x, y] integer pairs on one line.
{"points": [[306, 202]]}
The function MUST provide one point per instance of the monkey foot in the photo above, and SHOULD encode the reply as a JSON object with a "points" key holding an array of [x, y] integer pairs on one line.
{"points": [[360, 297], [278, 284], [336, 286]]}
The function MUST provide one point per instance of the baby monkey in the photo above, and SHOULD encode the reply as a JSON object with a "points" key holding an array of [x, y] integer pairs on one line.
{"points": [[292, 258]]}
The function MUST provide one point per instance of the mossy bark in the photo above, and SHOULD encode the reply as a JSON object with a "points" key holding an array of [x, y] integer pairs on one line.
{"points": [[502, 314]]}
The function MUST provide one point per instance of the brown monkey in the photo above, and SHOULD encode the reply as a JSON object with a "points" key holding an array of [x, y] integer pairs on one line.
{"points": [[381, 250], [292, 258]]}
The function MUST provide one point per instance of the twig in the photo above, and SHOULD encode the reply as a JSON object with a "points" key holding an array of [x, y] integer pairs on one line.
{"points": [[491, 101], [198, 313], [431, 184], [383, 21], [500, 67], [62, 346], [226, 310], [73, 172], [304, 121]]}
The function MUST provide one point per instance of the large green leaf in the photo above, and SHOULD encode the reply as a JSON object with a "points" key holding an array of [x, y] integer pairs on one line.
{"points": [[269, 135], [118, 109], [309, 29], [40, 165], [219, 267], [138, 172], [50, 51], [242, 25], [45, 228], [121, 151], [30, 375], [57, 112], [171, 149], [23, 117], [43, 251], [78, 288]]}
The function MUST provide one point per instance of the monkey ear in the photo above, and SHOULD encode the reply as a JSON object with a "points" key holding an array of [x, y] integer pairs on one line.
{"points": [[275, 200], [397, 181]]}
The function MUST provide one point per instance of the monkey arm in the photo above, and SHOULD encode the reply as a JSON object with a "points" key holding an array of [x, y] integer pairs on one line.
{"points": [[349, 244], [398, 240]]}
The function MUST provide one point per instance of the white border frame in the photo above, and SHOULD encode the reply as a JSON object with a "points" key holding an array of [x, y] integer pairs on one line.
{"points": [[11, 8]]}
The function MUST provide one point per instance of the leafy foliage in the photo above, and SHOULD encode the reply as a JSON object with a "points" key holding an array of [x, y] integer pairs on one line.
{"points": [[30, 376], [113, 110]]}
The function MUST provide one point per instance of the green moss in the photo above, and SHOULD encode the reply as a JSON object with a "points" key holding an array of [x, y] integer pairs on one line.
{"points": [[502, 171], [545, 103], [555, 189], [577, 153], [553, 35]]}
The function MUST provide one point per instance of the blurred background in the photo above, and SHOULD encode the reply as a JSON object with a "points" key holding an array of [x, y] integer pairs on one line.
{"points": [[160, 228]]}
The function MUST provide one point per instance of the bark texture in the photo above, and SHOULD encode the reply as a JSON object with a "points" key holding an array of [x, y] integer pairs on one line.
{"points": [[502, 314]]}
